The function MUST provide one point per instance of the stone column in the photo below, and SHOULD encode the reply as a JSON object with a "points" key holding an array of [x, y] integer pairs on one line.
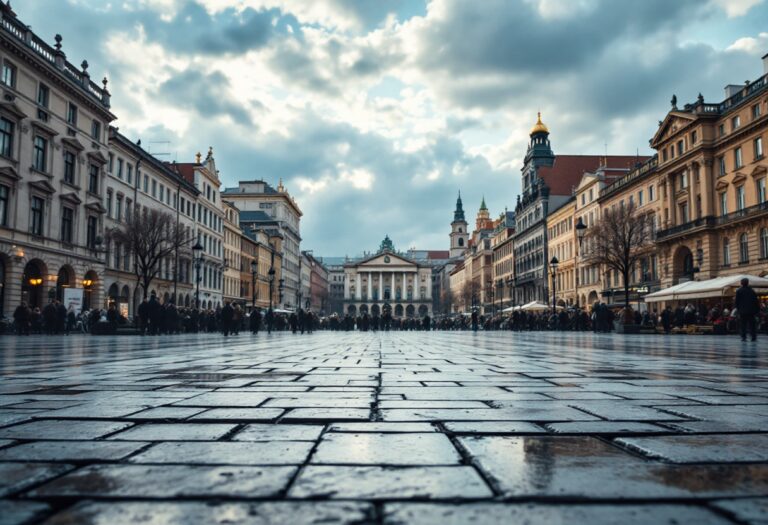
{"points": [[405, 286], [381, 285], [358, 291], [370, 286], [707, 188], [346, 287], [692, 190]]}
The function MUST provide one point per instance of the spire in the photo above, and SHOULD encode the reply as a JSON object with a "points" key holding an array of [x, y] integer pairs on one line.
{"points": [[482, 205], [458, 215]]}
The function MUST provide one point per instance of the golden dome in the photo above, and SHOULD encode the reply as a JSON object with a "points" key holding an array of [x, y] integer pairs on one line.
{"points": [[540, 127]]}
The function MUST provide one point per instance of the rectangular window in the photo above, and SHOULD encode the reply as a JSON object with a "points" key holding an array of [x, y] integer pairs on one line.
{"points": [[4, 205], [761, 191], [683, 213], [724, 203], [72, 114], [758, 148], [756, 111], [9, 74], [679, 147], [40, 160], [694, 137], [96, 130], [93, 179], [721, 165], [741, 200], [6, 137], [640, 200], [683, 180], [118, 255], [38, 213], [162, 192], [119, 168], [109, 204], [67, 223], [129, 174], [735, 122], [650, 193], [119, 209], [154, 188], [111, 163], [43, 95], [69, 167], [146, 183], [721, 129], [737, 159], [726, 253], [91, 231]]}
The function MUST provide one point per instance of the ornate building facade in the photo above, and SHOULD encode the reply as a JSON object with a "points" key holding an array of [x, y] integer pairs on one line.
{"points": [[387, 281]]}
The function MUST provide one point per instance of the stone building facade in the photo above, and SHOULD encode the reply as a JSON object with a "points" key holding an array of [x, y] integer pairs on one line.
{"points": [[54, 124], [387, 281]]}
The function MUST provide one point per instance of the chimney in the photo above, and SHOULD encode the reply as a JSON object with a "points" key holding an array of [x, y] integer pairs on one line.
{"points": [[732, 89], [765, 64]]}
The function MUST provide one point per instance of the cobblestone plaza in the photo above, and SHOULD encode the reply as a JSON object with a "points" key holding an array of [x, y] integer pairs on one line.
{"points": [[389, 427]]}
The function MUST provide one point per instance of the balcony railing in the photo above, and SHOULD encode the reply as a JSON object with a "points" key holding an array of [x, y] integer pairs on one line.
{"points": [[682, 228], [758, 209]]}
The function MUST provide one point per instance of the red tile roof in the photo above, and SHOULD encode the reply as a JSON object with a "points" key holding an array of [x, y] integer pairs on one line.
{"points": [[566, 173], [438, 254], [185, 169]]}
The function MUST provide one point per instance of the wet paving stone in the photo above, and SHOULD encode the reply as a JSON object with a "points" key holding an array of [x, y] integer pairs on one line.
{"points": [[17, 476], [227, 453], [389, 427], [168, 481], [63, 429], [386, 449], [70, 451], [194, 513], [174, 432], [427, 513], [376, 483], [714, 448], [258, 432], [751, 510], [21, 512], [585, 467]]}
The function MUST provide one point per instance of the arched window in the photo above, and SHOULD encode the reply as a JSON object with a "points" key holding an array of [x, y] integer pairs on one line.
{"points": [[743, 248], [726, 252], [461, 241], [764, 243]]}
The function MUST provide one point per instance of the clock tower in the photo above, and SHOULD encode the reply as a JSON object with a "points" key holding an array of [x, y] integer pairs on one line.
{"points": [[459, 234]]}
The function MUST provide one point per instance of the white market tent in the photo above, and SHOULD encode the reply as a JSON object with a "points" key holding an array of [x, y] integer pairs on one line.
{"points": [[711, 288]]}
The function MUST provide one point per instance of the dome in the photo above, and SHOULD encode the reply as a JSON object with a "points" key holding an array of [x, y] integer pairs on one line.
{"points": [[540, 127]]}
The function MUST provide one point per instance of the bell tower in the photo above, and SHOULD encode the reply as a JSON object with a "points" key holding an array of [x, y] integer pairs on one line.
{"points": [[459, 234]]}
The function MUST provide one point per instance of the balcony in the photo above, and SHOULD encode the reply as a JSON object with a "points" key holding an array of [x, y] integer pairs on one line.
{"points": [[747, 213], [675, 231]]}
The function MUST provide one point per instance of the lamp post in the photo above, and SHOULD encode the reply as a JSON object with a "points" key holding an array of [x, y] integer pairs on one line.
{"points": [[581, 230], [553, 267], [254, 271], [510, 284], [197, 257], [280, 286]]}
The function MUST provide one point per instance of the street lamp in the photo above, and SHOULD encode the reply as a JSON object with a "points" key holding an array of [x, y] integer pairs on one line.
{"points": [[197, 257], [581, 230], [553, 266], [280, 285], [511, 284], [254, 271]]}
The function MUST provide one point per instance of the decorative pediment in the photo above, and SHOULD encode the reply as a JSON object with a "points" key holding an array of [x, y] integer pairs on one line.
{"points": [[42, 128], [386, 259], [674, 121], [738, 178], [72, 198], [73, 143], [9, 172], [759, 170], [96, 207], [12, 109], [97, 157], [42, 185], [721, 185]]}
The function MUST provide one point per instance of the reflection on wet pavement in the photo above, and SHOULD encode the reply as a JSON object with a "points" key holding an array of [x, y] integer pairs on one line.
{"points": [[389, 428]]}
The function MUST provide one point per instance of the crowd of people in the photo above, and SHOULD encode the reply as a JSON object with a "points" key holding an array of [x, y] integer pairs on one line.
{"points": [[747, 317]]}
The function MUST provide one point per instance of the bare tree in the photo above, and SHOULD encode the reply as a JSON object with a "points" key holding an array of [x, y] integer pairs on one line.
{"points": [[446, 301], [150, 236], [469, 291], [621, 238]]}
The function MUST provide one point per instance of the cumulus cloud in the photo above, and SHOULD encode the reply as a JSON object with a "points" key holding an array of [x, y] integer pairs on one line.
{"points": [[374, 113]]}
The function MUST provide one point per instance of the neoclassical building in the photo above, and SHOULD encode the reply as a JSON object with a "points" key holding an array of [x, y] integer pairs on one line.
{"points": [[387, 281]]}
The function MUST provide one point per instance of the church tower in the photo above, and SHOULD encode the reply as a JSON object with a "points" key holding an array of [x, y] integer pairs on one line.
{"points": [[483, 220], [459, 234]]}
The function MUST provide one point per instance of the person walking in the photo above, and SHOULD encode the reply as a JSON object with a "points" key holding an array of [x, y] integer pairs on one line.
{"points": [[21, 316], [227, 315], [255, 321], [748, 305]]}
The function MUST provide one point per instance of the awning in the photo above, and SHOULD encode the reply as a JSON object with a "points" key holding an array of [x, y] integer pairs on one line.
{"points": [[711, 288]]}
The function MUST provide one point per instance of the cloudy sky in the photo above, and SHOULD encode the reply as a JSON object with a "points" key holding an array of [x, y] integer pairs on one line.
{"points": [[375, 112]]}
